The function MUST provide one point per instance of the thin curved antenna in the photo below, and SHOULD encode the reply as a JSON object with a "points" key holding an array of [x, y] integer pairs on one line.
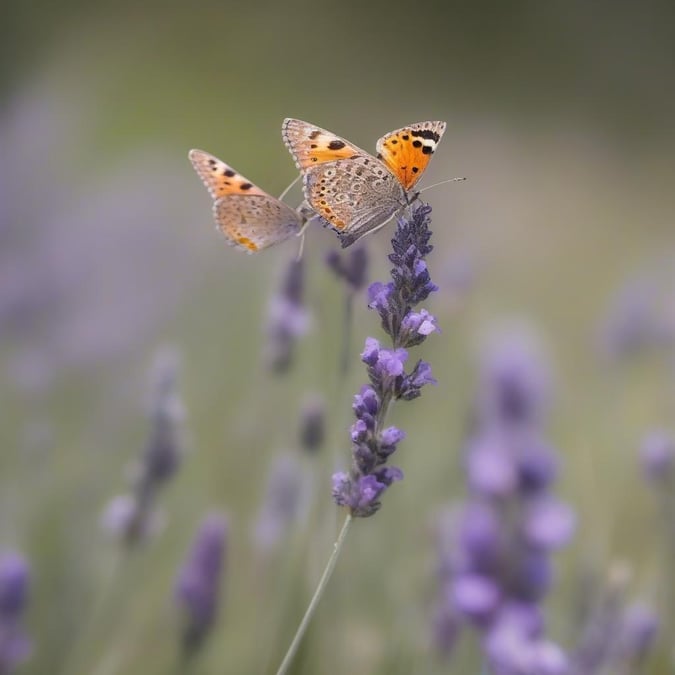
{"points": [[443, 182]]}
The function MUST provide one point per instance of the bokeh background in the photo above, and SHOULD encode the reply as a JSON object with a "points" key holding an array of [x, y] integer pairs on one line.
{"points": [[560, 115]]}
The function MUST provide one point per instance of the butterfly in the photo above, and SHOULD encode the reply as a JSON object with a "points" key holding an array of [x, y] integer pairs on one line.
{"points": [[249, 218], [354, 192]]}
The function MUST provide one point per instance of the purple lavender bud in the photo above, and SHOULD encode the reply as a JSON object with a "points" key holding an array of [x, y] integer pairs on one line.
{"points": [[416, 327], [282, 502], [388, 475], [515, 384], [352, 267], [313, 424], [532, 575], [198, 583], [480, 536], [366, 402], [390, 438], [371, 352], [365, 493], [287, 319], [14, 583], [475, 596], [657, 455], [379, 296], [512, 652], [527, 617], [490, 468], [391, 362], [549, 524], [549, 659], [412, 384], [359, 431], [537, 465]]}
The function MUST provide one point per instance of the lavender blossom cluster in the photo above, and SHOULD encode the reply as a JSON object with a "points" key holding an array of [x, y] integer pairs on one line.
{"points": [[361, 488], [133, 517], [495, 564], [198, 584]]}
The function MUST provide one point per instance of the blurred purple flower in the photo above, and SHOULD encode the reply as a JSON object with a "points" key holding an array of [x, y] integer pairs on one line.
{"points": [[198, 583], [312, 424], [499, 564], [287, 318], [282, 505], [350, 266], [15, 647], [657, 456], [641, 315], [515, 383], [133, 517], [361, 488]]}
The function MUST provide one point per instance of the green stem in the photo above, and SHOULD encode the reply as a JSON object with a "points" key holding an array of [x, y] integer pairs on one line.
{"points": [[309, 613]]}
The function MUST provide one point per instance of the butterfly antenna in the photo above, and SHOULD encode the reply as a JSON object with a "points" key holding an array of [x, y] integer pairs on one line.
{"points": [[443, 182], [288, 189]]}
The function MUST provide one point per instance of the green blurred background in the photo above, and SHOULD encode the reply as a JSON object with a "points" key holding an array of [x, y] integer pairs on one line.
{"points": [[560, 115]]}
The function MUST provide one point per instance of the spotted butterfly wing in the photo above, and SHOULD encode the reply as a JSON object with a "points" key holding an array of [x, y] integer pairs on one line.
{"points": [[349, 188], [250, 218], [407, 151]]}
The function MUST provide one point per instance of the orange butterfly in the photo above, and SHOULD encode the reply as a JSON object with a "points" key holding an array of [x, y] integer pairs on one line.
{"points": [[249, 218], [353, 191]]}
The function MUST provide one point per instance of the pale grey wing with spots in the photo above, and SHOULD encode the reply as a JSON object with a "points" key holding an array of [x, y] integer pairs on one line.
{"points": [[254, 222], [355, 195]]}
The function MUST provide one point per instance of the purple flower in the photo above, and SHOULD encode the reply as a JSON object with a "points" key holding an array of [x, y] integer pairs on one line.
{"points": [[476, 596], [134, 517], [313, 424], [514, 386], [287, 320], [490, 467], [15, 647], [282, 504], [14, 584], [549, 524], [657, 456], [198, 582], [360, 489], [351, 267], [510, 524]]}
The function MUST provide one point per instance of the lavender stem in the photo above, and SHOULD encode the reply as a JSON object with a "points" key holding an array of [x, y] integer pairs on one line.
{"points": [[314, 602]]}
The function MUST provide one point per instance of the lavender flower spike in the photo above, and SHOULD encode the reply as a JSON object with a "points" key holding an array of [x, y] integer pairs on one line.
{"points": [[198, 583], [15, 646], [133, 517], [287, 318], [361, 488]]}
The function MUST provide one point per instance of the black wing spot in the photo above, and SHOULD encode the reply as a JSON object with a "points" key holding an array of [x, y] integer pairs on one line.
{"points": [[336, 145], [415, 169], [405, 137], [245, 186], [427, 150], [426, 133], [229, 173], [417, 144]]}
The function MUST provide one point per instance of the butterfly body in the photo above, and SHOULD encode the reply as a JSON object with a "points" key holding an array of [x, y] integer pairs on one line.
{"points": [[250, 218], [355, 192]]}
